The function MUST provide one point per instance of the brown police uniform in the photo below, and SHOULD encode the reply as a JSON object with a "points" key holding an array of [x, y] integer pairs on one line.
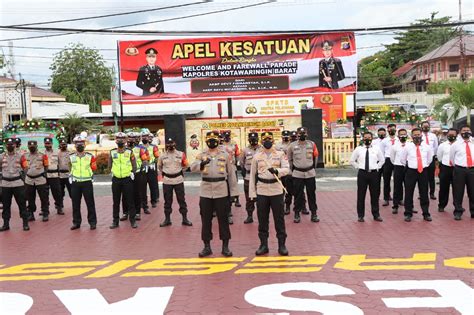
{"points": [[286, 180], [52, 178], [64, 172], [246, 158], [37, 165]]}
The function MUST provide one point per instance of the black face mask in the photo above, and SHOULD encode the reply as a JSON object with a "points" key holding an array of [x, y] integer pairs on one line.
{"points": [[80, 148], [253, 141], [367, 141], [286, 139], [417, 140], [10, 148], [451, 138], [48, 147], [212, 143], [426, 129], [267, 144], [120, 144], [392, 132], [170, 147], [403, 139], [227, 139], [302, 137], [293, 138], [32, 149], [466, 135], [145, 141], [63, 147], [381, 137]]}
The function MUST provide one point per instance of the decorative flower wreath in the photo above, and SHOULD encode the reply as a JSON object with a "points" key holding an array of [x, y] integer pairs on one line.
{"points": [[32, 125], [413, 118], [341, 121], [11, 128], [373, 118], [393, 115]]}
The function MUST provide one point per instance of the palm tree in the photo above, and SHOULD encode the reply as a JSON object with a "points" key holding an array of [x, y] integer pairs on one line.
{"points": [[74, 124], [461, 97]]}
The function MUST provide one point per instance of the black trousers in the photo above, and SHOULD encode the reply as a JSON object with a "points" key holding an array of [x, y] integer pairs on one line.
{"points": [[249, 203], [445, 181], [387, 177], [19, 194], [398, 183], [264, 203], [462, 178], [54, 185], [122, 189], [207, 207], [78, 190], [65, 184], [139, 190], [287, 181], [151, 178], [412, 177], [180, 196], [431, 176], [30, 191], [299, 185], [369, 180]]}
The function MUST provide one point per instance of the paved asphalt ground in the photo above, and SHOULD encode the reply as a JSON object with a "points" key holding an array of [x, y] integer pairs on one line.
{"points": [[337, 266]]}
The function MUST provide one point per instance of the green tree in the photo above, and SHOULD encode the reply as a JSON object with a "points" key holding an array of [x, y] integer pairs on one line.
{"points": [[80, 74], [461, 97], [74, 124], [374, 72]]}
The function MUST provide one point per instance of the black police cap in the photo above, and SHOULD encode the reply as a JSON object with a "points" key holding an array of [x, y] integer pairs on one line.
{"points": [[151, 51], [253, 135], [169, 140], [285, 133], [48, 140], [32, 142]]}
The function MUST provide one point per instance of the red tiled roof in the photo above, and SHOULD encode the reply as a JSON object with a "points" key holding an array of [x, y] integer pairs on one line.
{"points": [[39, 92], [403, 69], [6, 80]]}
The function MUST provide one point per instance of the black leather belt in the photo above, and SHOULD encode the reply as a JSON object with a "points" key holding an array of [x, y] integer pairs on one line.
{"points": [[11, 179], [35, 176], [173, 175], [54, 171], [213, 180], [464, 167], [303, 169], [369, 171], [267, 181], [63, 171]]}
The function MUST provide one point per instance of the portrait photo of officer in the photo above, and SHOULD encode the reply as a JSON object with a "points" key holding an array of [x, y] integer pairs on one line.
{"points": [[150, 76], [330, 68]]}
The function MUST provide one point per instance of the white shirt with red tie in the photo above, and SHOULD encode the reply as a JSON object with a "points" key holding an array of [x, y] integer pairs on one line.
{"points": [[462, 153], [396, 151], [430, 139], [409, 156], [387, 144], [443, 152]]}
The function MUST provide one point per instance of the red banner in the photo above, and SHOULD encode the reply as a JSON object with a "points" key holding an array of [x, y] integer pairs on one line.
{"points": [[244, 65]]}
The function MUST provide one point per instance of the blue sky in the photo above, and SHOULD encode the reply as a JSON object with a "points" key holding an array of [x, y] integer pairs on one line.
{"points": [[279, 15]]}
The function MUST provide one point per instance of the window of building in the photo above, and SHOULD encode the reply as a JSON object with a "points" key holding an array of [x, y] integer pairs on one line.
{"points": [[425, 70], [432, 68], [439, 66], [13, 118], [454, 68]]}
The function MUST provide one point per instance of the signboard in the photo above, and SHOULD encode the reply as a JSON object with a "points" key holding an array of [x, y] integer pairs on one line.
{"points": [[376, 108], [39, 136], [341, 130], [332, 104], [240, 65], [273, 107]]}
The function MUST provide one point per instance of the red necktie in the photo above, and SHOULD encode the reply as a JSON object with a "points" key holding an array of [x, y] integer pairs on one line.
{"points": [[419, 160], [468, 155], [393, 141], [427, 139]]}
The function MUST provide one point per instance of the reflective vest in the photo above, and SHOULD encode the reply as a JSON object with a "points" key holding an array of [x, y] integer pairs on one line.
{"points": [[81, 167], [138, 158], [151, 153], [121, 163]]}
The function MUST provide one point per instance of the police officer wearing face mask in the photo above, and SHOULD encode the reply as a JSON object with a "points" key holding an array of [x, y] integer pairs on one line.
{"points": [[52, 175], [12, 163], [217, 187], [267, 166], [35, 181], [151, 176], [123, 165], [386, 146], [432, 140], [142, 157], [398, 169], [462, 157], [233, 150], [445, 168], [303, 156], [82, 165], [171, 164], [417, 157], [286, 180], [368, 159], [246, 158], [381, 134], [64, 171]]}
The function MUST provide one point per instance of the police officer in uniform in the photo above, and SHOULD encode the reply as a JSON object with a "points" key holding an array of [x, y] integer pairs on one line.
{"points": [[123, 166], [302, 156], [268, 164], [141, 157], [52, 175], [12, 163], [37, 166], [64, 172], [398, 169], [130, 144], [171, 164], [234, 152], [385, 146], [445, 168], [430, 139], [82, 165], [217, 186], [246, 157], [330, 68], [151, 174], [286, 180], [150, 76]]}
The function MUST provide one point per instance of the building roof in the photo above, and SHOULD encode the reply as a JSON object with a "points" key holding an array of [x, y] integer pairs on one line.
{"points": [[450, 49], [6, 80], [404, 69], [37, 92]]}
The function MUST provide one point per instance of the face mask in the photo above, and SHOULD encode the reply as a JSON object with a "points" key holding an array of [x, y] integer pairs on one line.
{"points": [[10, 148], [120, 144], [452, 138], [426, 129], [145, 141], [417, 140], [391, 132], [286, 139], [212, 143], [381, 136], [466, 135], [226, 139], [32, 149], [253, 141], [63, 147], [293, 138], [403, 139], [302, 137], [367, 141], [80, 147], [170, 147], [48, 147], [267, 144]]}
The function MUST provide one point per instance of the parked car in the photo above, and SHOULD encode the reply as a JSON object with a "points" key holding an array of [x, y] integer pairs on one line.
{"points": [[420, 109]]}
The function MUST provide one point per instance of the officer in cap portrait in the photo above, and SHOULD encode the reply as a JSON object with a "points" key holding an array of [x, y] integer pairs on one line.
{"points": [[150, 76], [330, 68], [268, 165], [246, 158], [171, 164]]}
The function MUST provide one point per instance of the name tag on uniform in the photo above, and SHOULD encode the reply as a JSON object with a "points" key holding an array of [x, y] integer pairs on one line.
{"points": [[115, 155]]}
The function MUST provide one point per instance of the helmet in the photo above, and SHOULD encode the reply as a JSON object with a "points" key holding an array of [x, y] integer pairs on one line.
{"points": [[120, 135], [78, 139]]}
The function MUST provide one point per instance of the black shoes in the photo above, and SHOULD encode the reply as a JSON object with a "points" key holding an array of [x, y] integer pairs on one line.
{"points": [[26, 227], [394, 210], [138, 217], [124, 217], [75, 227], [385, 203], [262, 250], [305, 211], [114, 225], [153, 204], [45, 218], [225, 249], [457, 217], [407, 218], [432, 197], [133, 224], [440, 209], [314, 218], [60, 211], [31, 217], [249, 219], [427, 218], [361, 219], [186, 222], [166, 222], [146, 211], [282, 249], [297, 218], [378, 219], [206, 251], [5, 227], [93, 226], [287, 209], [237, 203]]}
